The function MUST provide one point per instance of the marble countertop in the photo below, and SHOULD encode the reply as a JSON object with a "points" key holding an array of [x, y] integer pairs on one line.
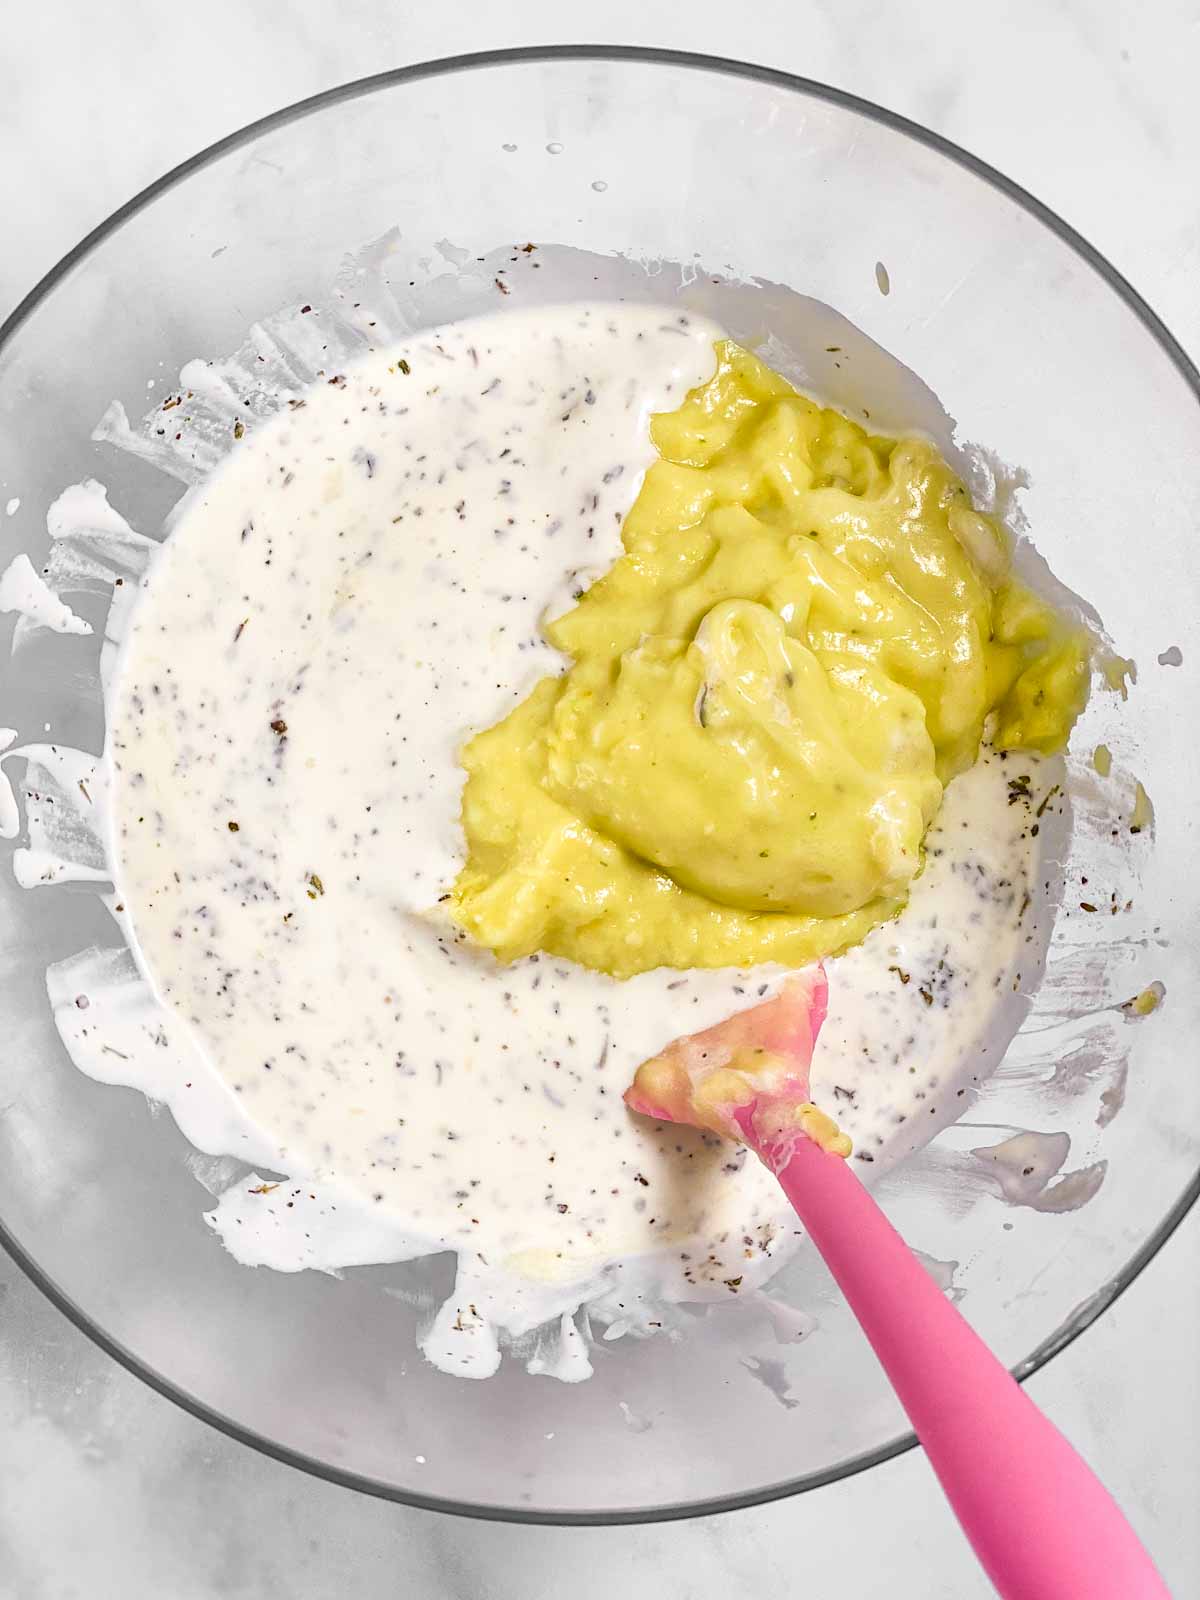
{"points": [[106, 1490]]}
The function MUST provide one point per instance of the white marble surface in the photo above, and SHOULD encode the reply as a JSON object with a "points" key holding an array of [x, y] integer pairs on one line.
{"points": [[107, 1490]]}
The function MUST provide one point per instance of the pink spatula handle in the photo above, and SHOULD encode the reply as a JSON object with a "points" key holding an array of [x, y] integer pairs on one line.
{"points": [[1042, 1524]]}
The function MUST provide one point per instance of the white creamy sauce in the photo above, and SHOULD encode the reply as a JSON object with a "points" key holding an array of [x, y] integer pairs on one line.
{"points": [[357, 591]]}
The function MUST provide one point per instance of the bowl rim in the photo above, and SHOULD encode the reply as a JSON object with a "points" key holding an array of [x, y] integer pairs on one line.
{"points": [[525, 55]]}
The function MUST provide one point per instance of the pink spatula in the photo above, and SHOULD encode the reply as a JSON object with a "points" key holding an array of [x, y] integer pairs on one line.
{"points": [[1042, 1524]]}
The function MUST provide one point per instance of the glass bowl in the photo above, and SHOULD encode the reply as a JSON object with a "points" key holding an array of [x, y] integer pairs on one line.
{"points": [[681, 174]]}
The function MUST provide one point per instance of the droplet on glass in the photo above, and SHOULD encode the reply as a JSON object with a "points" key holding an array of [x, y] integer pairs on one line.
{"points": [[599, 185], [509, 147], [554, 148]]}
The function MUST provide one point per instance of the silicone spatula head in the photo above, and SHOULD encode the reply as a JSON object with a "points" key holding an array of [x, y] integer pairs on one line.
{"points": [[747, 1077]]}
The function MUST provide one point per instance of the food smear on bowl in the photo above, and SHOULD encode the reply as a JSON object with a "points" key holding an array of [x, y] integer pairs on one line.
{"points": [[361, 594]]}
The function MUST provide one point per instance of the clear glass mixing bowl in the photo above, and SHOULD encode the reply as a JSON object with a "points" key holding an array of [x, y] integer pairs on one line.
{"points": [[1038, 348]]}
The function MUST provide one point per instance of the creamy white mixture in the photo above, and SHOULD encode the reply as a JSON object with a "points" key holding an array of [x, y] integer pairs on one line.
{"points": [[348, 599]]}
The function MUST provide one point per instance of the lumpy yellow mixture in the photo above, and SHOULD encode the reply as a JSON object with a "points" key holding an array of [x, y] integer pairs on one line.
{"points": [[767, 694]]}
